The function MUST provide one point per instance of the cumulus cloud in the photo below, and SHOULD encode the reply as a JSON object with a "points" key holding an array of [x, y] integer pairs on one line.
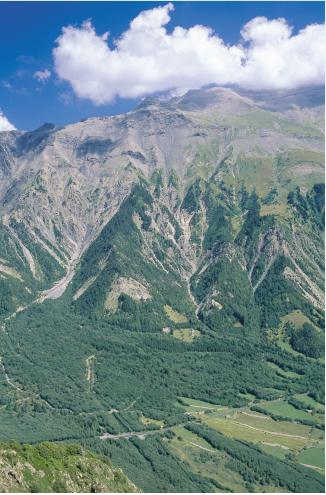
{"points": [[42, 76], [5, 125], [147, 59]]}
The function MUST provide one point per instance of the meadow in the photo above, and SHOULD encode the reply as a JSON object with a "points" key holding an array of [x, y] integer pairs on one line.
{"points": [[313, 457], [231, 429], [186, 334], [286, 410], [175, 316], [291, 374]]}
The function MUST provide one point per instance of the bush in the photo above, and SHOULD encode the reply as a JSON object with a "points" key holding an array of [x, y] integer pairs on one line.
{"points": [[59, 486], [74, 449]]}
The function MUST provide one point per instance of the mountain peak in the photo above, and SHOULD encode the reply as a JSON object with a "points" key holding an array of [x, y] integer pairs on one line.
{"points": [[150, 101]]}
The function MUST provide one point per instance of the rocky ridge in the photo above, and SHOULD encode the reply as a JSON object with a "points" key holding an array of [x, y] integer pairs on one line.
{"points": [[58, 468]]}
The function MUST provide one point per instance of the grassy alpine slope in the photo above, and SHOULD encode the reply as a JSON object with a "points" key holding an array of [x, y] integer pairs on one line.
{"points": [[200, 287]]}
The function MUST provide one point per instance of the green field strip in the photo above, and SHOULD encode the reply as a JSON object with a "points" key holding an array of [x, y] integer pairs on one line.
{"points": [[284, 427], [308, 400], [191, 437], [286, 410], [226, 477], [290, 374], [230, 429], [229, 414], [317, 435], [286, 346], [190, 408], [224, 411], [278, 390], [274, 450], [313, 457]]}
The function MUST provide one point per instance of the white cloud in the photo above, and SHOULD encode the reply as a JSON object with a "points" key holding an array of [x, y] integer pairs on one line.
{"points": [[21, 91], [5, 125], [21, 73], [42, 76], [148, 60], [7, 85], [277, 60], [65, 98]]}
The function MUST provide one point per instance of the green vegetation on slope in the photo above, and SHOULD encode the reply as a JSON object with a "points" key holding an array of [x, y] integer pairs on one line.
{"points": [[152, 465], [256, 466], [266, 120], [48, 268], [50, 468]]}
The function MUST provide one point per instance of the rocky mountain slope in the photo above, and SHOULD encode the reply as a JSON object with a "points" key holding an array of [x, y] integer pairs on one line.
{"points": [[60, 186], [58, 468]]}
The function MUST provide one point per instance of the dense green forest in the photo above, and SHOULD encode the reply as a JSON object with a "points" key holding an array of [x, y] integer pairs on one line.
{"points": [[147, 371]]}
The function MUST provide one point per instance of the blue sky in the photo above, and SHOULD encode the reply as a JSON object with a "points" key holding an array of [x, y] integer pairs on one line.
{"points": [[91, 75]]}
